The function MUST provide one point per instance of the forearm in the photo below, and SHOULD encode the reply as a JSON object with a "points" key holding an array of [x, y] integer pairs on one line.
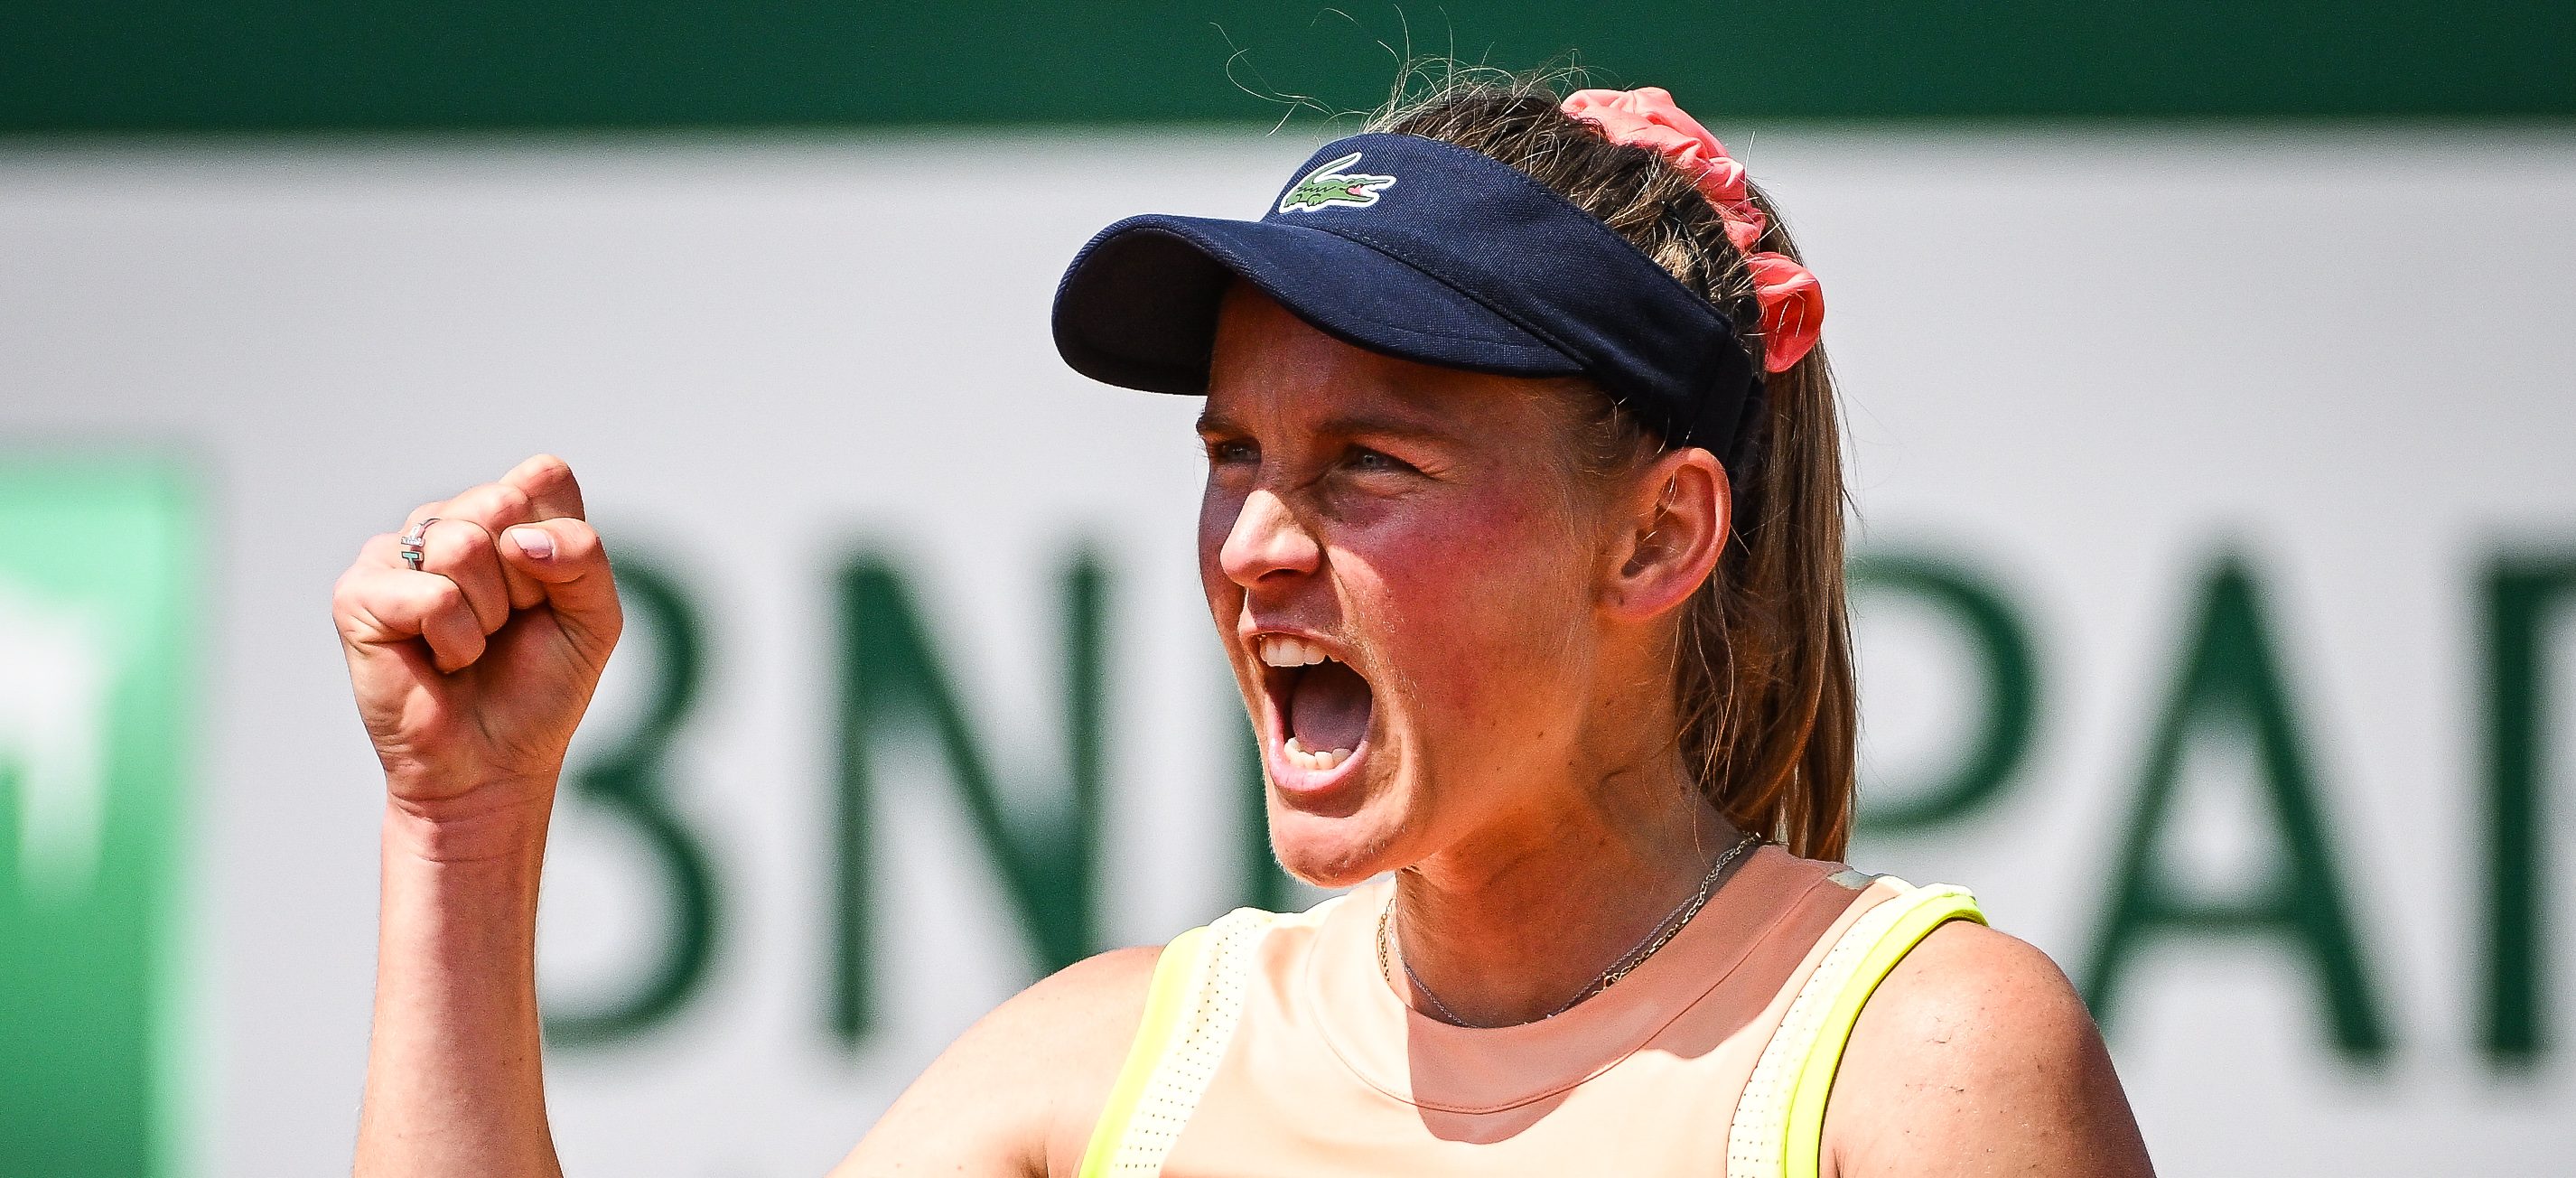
{"points": [[455, 1075]]}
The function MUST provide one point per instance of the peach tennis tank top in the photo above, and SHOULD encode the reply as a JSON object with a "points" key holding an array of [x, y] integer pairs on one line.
{"points": [[1271, 1046]]}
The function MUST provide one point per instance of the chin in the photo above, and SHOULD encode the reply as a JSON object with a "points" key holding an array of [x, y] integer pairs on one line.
{"points": [[1335, 851]]}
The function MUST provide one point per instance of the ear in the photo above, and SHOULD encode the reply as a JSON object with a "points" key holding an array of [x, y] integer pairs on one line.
{"points": [[1673, 521]]}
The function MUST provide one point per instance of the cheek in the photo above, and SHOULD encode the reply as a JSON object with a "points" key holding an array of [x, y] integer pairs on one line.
{"points": [[1479, 604]]}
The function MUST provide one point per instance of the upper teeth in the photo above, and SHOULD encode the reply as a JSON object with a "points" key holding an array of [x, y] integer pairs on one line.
{"points": [[1280, 650]]}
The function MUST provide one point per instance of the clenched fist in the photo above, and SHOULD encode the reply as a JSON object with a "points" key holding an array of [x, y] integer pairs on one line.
{"points": [[472, 671]]}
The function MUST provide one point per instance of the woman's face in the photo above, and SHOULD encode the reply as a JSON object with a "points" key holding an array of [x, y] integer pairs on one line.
{"points": [[1404, 573]]}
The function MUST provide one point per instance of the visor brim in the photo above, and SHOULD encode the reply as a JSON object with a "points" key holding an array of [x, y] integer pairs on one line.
{"points": [[1138, 307]]}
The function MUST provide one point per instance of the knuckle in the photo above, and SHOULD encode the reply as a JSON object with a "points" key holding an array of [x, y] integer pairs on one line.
{"points": [[460, 507], [457, 538], [490, 503], [358, 588], [446, 596]]}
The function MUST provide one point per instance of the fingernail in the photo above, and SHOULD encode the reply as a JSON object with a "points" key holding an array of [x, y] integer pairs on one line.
{"points": [[538, 543]]}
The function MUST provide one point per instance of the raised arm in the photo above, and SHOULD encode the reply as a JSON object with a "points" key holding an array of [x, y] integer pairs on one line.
{"points": [[470, 674]]}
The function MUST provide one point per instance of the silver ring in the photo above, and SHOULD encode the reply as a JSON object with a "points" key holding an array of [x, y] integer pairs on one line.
{"points": [[414, 543]]}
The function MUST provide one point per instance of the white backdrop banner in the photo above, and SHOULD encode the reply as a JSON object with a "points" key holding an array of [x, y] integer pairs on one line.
{"points": [[2217, 561]]}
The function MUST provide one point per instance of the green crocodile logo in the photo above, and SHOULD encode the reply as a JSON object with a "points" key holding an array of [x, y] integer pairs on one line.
{"points": [[1329, 186]]}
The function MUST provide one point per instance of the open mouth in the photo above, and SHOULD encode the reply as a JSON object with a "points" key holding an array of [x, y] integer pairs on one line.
{"points": [[1320, 708]]}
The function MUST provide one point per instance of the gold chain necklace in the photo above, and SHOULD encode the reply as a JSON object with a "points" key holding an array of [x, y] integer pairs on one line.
{"points": [[1662, 935]]}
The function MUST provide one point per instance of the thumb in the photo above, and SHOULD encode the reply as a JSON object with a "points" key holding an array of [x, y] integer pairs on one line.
{"points": [[565, 558]]}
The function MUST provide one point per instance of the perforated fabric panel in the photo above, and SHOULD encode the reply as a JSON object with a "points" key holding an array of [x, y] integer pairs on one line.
{"points": [[1756, 1144], [1205, 1024]]}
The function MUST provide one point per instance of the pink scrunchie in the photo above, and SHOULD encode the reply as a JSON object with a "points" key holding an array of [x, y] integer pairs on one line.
{"points": [[1793, 305]]}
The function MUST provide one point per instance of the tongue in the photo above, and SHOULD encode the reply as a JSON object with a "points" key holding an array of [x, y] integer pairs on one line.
{"points": [[1329, 708]]}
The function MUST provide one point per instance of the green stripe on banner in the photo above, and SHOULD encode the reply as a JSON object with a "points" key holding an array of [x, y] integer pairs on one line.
{"points": [[98, 596], [269, 66]]}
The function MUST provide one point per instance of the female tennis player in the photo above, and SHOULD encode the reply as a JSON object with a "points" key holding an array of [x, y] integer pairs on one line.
{"points": [[1523, 529]]}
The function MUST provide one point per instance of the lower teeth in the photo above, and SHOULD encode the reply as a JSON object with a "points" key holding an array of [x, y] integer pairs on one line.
{"points": [[1299, 756]]}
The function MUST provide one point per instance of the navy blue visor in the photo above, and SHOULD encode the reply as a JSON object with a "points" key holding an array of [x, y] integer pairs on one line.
{"points": [[1421, 250]]}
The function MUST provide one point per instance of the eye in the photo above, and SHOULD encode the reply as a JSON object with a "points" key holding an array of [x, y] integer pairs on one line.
{"points": [[1369, 461], [1231, 451]]}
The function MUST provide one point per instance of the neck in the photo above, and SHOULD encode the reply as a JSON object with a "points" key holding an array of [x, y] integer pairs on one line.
{"points": [[1509, 924]]}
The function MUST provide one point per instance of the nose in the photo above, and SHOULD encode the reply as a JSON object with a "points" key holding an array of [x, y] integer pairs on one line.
{"points": [[1267, 539]]}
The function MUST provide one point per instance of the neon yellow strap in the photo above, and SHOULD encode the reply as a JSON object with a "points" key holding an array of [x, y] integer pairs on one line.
{"points": [[1916, 914], [1175, 975]]}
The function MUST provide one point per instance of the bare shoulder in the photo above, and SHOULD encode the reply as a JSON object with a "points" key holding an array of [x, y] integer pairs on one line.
{"points": [[1016, 1094], [1976, 1057]]}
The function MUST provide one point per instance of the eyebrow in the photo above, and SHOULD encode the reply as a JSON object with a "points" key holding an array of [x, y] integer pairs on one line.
{"points": [[1345, 425]]}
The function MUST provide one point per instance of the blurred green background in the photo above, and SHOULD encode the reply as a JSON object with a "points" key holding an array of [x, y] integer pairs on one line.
{"points": [[168, 66]]}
